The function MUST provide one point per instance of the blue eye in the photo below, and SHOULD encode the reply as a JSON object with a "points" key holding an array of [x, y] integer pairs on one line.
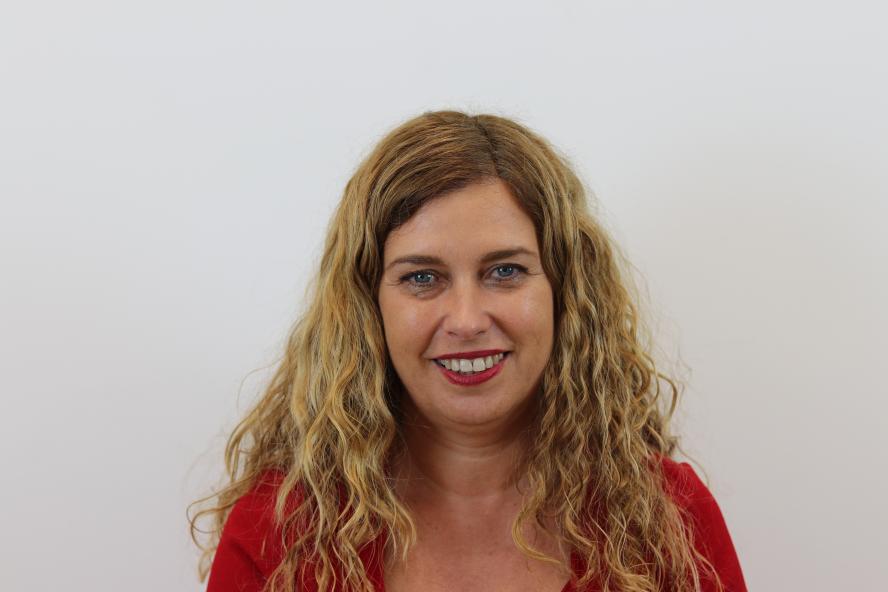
{"points": [[421, 274], [419, 278], [509, 268], [508, 273]]}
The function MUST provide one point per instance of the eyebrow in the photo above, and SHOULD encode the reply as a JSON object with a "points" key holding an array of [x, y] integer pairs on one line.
{"points": [[486, 258]]}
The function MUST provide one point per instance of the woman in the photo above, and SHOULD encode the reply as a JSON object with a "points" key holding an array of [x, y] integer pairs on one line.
{"points": [[466, 404]]}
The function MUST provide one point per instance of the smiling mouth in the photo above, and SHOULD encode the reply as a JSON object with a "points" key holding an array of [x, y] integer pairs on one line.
{"points": [[468, 367]]}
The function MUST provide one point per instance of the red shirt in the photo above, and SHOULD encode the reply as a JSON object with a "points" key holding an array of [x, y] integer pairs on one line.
{"points": [[240, 566]]}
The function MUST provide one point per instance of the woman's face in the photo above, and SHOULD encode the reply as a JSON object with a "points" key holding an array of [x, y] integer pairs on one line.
{"points": [[462, 286]]}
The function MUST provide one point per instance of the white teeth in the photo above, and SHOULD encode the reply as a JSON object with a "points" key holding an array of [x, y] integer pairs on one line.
{"points": [[471, 366]]}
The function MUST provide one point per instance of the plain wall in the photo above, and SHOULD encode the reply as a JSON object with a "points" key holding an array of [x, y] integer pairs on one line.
{"points": [[167, 170]]}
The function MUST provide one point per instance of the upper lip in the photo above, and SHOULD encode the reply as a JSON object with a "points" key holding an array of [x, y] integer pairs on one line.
{"points": [[469, 355]]}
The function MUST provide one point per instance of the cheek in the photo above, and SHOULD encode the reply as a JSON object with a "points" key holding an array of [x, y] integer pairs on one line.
{"points": [[403, 323], [410, 330], [533, 316]]}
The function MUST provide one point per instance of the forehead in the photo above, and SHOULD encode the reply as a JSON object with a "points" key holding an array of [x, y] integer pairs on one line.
{"points": [[480, 216]]}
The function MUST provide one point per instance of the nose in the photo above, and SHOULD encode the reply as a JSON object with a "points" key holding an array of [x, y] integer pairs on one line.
{"points": [[465, 314]]}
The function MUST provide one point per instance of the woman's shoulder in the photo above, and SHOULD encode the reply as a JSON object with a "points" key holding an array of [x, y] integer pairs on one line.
{"points": [[689, 492], [251, 545], [683, 483], [705, 520]]}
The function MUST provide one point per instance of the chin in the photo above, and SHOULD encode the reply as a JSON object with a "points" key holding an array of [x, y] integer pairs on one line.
{"points": [[471, 411]]}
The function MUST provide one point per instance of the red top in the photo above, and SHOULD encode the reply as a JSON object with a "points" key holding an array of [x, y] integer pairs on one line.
{"points": [[240, 566]]}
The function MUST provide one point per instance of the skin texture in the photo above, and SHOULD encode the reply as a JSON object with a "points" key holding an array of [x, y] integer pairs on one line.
{"points": [[463, 442]]}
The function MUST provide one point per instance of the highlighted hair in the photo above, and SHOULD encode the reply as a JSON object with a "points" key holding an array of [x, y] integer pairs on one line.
{"points": [[328, 421]]}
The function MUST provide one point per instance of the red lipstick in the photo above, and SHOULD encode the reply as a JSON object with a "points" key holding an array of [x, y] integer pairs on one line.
{"points": [[475, 378]]}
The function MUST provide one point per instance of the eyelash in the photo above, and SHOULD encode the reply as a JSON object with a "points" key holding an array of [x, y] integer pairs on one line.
{"points": [[406, 278]]}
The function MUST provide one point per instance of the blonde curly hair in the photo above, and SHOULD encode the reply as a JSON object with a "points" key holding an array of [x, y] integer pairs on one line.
{"points": [[329, 419]]}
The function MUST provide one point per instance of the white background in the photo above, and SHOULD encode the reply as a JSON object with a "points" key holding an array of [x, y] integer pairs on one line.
{"points": [[167, 170]]}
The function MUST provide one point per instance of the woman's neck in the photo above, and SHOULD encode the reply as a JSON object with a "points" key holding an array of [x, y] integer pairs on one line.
{"points": [[458, 466]]}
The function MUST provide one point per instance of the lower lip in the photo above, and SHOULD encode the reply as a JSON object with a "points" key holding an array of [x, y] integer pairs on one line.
{"points": [[471, 379]]}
